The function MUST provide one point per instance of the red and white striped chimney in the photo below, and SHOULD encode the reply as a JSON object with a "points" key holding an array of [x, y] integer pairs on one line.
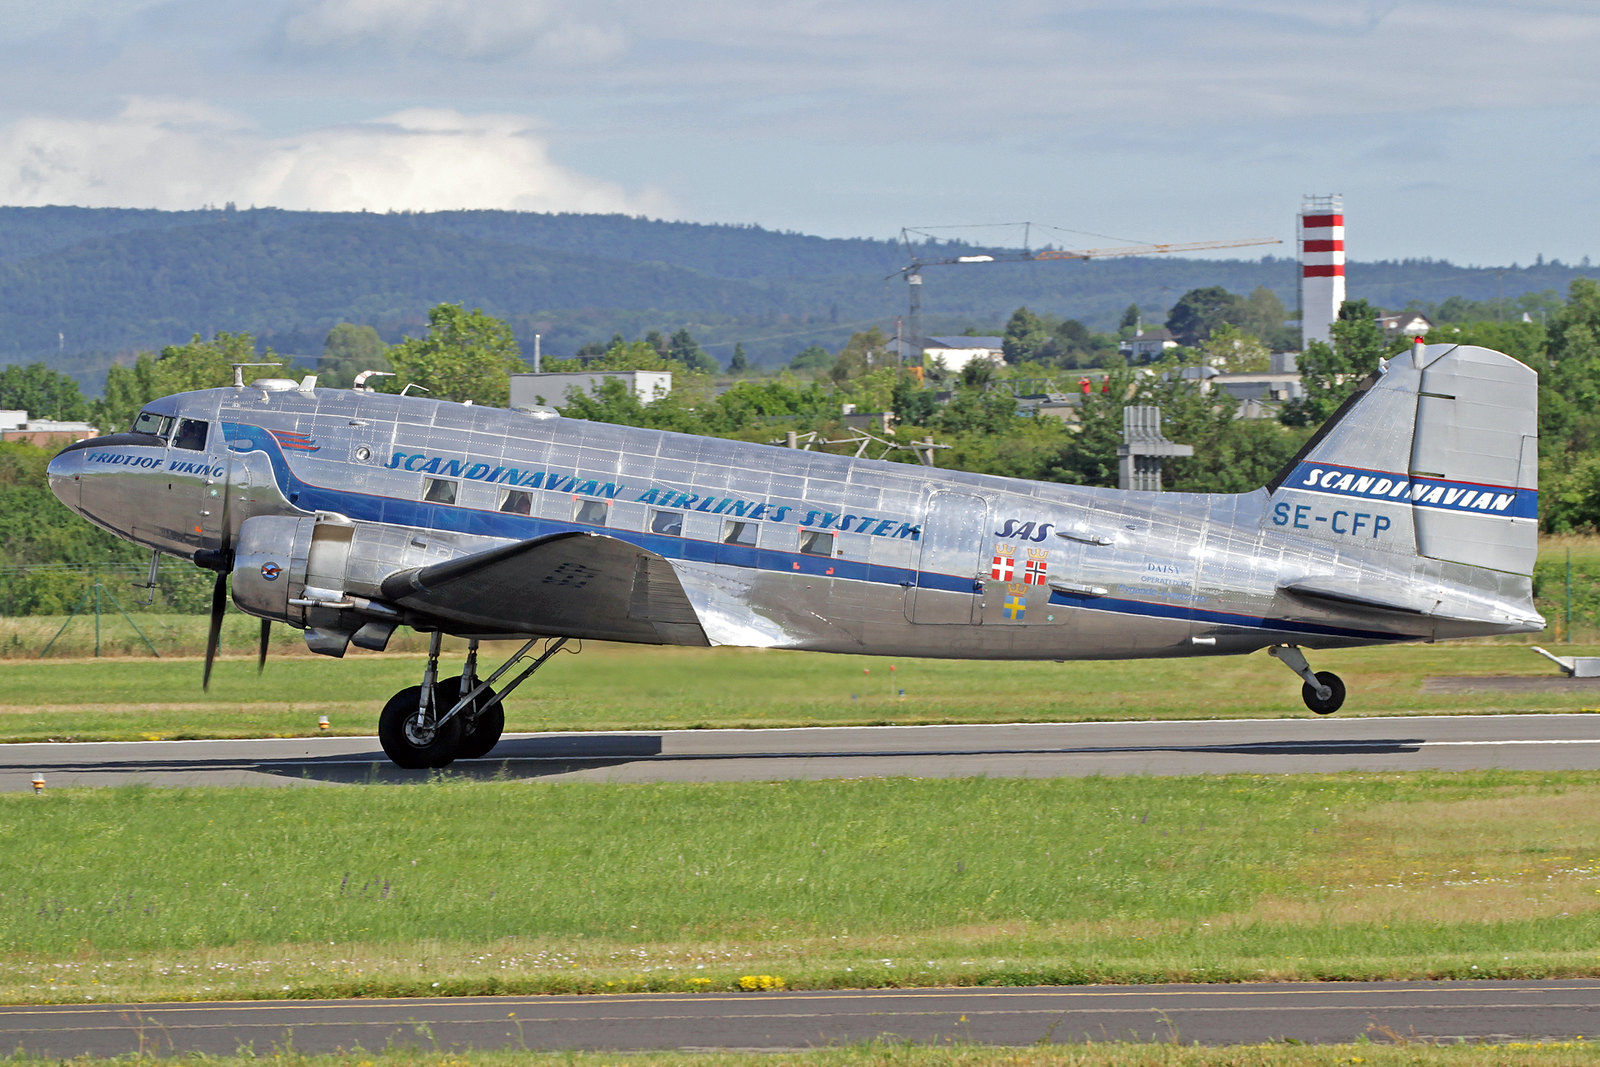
{"points": [[1321, 265]]}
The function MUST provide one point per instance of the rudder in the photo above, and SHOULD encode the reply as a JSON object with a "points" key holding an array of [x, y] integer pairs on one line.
{"points": [[1436, 455]]}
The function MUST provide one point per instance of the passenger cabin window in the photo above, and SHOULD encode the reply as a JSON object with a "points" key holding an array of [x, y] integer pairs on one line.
{"points": [[590, 512], [666, 522], [816, 543], [516, 502], [150, 422], [735, 532], [439, 491], [191, 435]]}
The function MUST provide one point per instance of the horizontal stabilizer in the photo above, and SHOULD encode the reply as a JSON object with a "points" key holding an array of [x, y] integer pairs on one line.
{"points": [[570, 584], [1349, 594], [1418, 601]]}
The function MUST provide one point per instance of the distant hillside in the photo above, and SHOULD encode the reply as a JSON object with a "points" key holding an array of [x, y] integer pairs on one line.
{"points": [[81, 287]]}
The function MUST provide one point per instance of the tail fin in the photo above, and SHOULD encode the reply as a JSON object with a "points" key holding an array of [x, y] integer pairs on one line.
{"points": [[1436, 455]]}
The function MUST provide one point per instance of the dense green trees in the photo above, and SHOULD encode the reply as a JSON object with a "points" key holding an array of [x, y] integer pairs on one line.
{"points": [[349, 350], [466, 355], [1569, 410], [1051, 341], [41, 392], [177, 369], [1200, 313], [683, 348], [1330, 372], [49, 555]]}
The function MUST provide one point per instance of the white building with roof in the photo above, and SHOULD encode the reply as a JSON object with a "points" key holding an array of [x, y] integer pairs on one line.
{"points": [[954, 353], [16, 426]]}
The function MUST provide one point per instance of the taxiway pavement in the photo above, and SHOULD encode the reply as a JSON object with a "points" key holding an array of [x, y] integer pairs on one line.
{"points": [[1314, 1013], [1251, 746]]}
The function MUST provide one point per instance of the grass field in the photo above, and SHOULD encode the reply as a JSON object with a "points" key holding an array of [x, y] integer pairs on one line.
{"points": [[458, 888]]}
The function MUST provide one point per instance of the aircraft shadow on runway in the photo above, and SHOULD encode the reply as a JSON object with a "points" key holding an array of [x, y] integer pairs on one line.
{"points": [[546, 756]]}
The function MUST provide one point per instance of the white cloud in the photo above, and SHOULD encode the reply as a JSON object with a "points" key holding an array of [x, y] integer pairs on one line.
{"points": [[180, 154]]}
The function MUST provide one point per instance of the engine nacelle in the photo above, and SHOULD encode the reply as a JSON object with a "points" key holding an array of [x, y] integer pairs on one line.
{"points": [[294, 569]]}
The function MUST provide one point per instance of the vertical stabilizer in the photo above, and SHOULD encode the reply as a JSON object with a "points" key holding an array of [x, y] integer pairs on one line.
{"points": [[1435, 456]]}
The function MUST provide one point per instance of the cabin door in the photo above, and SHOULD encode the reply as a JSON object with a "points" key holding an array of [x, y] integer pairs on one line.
{"points": [[948, 586]]}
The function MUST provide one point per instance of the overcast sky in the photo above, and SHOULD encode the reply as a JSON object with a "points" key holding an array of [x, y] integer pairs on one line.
{"points": [[1455, 129]]}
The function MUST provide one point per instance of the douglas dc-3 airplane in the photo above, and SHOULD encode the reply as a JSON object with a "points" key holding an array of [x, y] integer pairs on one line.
{"points": [[1410, 516]]}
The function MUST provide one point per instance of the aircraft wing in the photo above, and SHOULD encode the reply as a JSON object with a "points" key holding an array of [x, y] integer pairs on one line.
{"points": [[578, 584]]}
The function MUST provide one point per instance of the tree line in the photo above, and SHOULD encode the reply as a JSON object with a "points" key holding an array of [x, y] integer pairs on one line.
{"points": [[466, 354]]}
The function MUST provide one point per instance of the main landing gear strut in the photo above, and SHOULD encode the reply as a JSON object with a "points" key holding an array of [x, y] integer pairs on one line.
{"points": [[1323, 691], [440, 721]]}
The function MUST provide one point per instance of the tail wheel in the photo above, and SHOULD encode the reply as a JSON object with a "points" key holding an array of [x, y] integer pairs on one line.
{"points": [[481, 730], [414, 744], [1335, 698]]}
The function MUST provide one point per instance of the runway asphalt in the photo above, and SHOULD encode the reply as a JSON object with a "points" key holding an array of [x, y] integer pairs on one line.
{"points": [[1314, 1013], [1253, 746]]}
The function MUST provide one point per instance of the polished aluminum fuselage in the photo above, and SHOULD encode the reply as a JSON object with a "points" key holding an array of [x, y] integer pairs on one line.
{"points": [[920, 562]]}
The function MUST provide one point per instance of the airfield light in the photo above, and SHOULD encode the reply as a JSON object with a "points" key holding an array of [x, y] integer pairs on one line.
{"points": [[38, 782], [322, 723]]}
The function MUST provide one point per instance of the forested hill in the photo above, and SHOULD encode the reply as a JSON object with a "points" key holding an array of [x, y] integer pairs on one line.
{"points": [[80, 287]]}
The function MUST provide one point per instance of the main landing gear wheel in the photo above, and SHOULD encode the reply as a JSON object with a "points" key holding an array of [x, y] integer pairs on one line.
{"points": [[482, 728], [416, 744], [420, 741], [1335, 698]]}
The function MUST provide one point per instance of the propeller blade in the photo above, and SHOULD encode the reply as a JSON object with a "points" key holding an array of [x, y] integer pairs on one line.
{"points": [[261, 652], [224, 564], [219, 604]]}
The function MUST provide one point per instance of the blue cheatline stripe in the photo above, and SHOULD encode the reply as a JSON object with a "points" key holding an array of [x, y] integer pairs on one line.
{"points": [[1471, 498], [370, 507]]}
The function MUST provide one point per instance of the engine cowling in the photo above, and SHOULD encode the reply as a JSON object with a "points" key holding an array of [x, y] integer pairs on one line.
{"points": [[269, 566], [294, 569]]}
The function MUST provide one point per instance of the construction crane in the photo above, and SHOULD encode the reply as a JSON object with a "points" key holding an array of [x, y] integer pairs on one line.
{"points": [[912, 272]]}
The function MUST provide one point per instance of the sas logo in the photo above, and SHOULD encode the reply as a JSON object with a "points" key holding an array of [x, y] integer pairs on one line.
{"points": [[1025, 531], [270, 571]]}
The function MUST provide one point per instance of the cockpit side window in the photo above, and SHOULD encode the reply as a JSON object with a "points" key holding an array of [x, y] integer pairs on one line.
{"points": [[152, 423], [191, 435]]}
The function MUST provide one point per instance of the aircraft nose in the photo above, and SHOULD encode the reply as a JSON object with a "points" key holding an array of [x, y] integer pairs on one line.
{"points": [[65, 476]]}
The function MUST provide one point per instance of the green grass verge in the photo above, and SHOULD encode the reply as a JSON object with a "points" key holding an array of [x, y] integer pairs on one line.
{"points": [[619, 687], [461, 888], [1110, 1054]]}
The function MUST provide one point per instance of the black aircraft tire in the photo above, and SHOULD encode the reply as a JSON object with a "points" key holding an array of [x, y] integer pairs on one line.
{"points": [[1335, 699], [479, 739], [404, 749]]}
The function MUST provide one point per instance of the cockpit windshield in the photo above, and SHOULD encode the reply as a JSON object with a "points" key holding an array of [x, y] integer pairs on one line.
{"points": [[151, 423]]}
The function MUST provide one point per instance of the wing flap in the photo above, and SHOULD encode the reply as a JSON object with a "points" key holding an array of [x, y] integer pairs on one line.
{"points": [[572, 584]]}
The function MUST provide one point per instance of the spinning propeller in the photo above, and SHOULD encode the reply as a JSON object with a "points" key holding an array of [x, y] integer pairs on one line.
{"points": [[221, 561]]}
